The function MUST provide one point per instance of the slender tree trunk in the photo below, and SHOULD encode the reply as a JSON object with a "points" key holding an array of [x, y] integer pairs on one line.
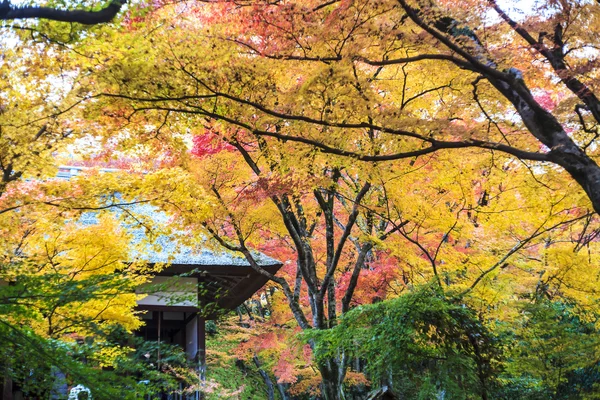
{"points": [[266, 378], [282, 391]]}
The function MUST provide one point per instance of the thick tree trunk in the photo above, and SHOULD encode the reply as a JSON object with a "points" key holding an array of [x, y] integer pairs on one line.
{"points": [[548, 130], [7, 388], [332, 374]]}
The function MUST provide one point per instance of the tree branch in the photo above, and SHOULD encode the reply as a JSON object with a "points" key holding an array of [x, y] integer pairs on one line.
{"points": [[342, 241], [10, 12], [518, 246], [556, 57]]}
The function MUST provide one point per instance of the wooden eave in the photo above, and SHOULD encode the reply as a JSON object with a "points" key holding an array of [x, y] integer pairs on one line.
{"points": [[230, 285]]}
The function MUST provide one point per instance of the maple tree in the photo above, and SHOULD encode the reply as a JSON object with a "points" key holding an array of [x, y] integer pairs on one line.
{"points": [[327, 135], [361, 68], [284, 98], [265, 190]]}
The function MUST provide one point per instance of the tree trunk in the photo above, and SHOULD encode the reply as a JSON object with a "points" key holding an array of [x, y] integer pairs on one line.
{"points": [[332, 374], [266, 378], [7, 392], [548, 130], [282, 391]]}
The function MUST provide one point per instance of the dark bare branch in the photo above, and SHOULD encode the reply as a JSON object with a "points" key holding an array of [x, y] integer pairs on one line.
{"points": [[10, 12]]}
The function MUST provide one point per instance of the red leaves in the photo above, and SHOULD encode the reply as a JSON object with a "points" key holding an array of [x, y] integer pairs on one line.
{"points": [[264, 187], [209, 143], [373, 282], [307, 353], [291, 359], [284, 369], [545, 100]]}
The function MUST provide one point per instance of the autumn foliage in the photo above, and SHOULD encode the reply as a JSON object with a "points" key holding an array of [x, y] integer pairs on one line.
{"points": [[425, 170]]}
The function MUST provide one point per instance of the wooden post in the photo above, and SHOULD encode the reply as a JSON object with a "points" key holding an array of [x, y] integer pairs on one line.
{"points": [[201, 353], [201, 341], [7, 388], [159, 327]]}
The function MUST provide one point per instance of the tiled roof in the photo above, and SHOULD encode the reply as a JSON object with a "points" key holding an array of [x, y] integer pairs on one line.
{"points": [[170, 250]]}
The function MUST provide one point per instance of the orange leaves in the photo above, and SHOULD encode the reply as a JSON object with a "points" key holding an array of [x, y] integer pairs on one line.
{"points": [[356, 378], [262, 187], [276, 27]]}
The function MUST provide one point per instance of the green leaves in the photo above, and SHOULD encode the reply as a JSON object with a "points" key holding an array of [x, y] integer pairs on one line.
{"points": [[552, 351], [420, 343]]}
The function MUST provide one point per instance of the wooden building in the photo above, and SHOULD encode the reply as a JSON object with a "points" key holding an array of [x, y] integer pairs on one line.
{"points": [[197, 286], [198, 283]]}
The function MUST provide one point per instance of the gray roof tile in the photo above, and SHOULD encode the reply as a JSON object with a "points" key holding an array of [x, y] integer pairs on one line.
{"points": [[170, 250]]}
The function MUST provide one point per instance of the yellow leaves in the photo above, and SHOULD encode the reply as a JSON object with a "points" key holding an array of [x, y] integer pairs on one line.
{"points": [[495, 227], [112, 308], [572, 274], [71, 241], [280, 312], [35, 92], [67, 253], [107, 357], [333, 93], [100, 248]]}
